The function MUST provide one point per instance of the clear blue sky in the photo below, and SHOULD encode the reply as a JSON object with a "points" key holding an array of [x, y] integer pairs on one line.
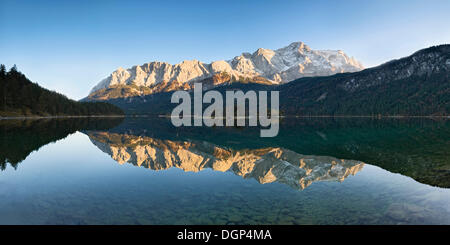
{"points": [[69, 46]]}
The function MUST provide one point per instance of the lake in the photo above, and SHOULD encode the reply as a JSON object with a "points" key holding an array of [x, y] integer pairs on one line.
{"points": [[142, 170]]}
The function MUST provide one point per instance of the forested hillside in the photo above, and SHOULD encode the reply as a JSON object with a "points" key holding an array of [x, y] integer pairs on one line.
{"points": [[21, 97]]}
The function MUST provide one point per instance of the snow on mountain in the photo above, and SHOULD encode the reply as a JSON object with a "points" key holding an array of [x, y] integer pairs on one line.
{"points": [[277, 66]]}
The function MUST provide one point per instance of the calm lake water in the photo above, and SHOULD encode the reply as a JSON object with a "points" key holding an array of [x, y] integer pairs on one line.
{"points": [[145, 171]]}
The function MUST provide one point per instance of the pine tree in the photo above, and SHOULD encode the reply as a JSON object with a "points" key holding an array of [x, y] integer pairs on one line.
{"points": [[3, 86], [14, 69], [2, 70]]}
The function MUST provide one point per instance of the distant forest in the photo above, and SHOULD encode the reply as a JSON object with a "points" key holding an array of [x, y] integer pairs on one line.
{"points": [[21, 97]]}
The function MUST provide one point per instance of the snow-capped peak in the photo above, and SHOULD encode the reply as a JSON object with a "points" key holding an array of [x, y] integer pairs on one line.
{"points": [[277, 66]]}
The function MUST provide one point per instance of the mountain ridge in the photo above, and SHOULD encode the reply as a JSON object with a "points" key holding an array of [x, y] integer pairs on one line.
{"points": [[416, 85], [267, 66]]}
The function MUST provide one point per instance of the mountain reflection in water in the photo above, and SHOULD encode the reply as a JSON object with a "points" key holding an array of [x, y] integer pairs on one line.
{"points": [[266, 165], [417, 148], [64, 171]]}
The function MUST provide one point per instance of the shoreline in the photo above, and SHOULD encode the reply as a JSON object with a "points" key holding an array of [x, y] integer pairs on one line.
{"points": [[56, 117], [337, 116], [166, 116]]}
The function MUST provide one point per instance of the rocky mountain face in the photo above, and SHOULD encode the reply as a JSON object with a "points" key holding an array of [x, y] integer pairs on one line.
{"points": [[266, 165], [263, 66], [415, 85]]}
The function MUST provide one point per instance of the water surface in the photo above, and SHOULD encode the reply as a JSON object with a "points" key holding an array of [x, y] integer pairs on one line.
{"points": [[145, 171]]}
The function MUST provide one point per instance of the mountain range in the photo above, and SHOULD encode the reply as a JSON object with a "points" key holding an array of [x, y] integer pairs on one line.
{"points": [[417, 85], [264, 66], [310, 82]]}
